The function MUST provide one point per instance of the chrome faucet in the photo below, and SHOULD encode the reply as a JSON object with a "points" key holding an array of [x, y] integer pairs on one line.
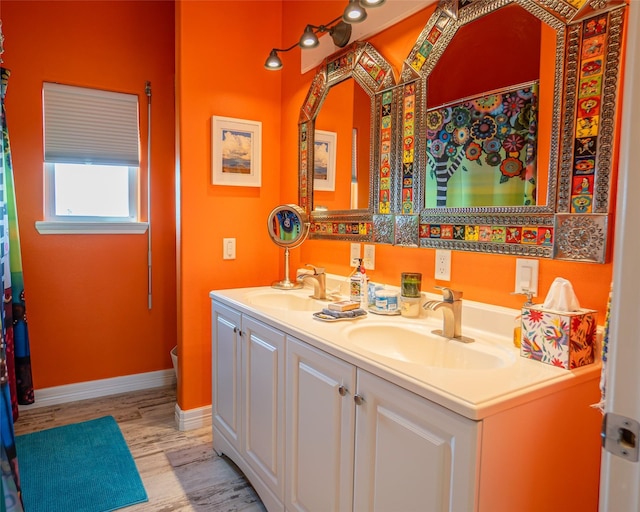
{"points": [[451, 306], [318, 278]]}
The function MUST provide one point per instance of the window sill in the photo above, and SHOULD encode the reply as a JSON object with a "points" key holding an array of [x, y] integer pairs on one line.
{"points": [[91, 228]]}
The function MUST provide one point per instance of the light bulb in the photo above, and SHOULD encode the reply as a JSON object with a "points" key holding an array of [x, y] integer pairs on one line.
{"points": [[273, 62], [354, 13], [309, 39]]}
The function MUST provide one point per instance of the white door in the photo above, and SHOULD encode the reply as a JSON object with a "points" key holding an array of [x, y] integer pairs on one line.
{"points": [[620, 477], [411, 454], [320, 430], [263, 389], [226, 354]]}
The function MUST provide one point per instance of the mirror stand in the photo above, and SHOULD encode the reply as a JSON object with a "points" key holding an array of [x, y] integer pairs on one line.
{"points": [[286, 283]]}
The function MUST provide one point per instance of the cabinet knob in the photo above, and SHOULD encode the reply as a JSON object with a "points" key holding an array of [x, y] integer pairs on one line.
{"points": [[358, 399], [342, 390]]}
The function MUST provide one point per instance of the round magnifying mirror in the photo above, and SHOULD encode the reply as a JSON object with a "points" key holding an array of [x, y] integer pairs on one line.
{"points": [[288, 227]]}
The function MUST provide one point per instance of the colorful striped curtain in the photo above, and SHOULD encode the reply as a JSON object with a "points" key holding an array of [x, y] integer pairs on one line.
{"points": [[15, 363]]}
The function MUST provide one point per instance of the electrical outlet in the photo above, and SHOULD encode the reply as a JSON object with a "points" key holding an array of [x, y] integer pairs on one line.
{"points": [[354, 255], [369, 259], [443, 265], [228, 248]]}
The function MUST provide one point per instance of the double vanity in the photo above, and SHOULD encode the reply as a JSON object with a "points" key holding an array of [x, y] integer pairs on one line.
{"points": [[379, 413]]}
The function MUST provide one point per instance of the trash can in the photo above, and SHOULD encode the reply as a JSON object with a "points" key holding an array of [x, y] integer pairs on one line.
{"points": [[174, 359]]}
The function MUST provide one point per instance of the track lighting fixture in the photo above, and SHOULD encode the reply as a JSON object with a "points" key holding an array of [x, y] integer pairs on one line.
{"points": [[339, 30]]}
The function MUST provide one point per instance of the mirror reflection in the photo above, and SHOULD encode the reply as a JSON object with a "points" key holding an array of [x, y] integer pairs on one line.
{"points": [[342, 148], [482, 119]]}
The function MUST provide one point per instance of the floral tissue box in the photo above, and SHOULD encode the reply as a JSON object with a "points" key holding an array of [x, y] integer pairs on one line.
{"points": [[563, 339]]}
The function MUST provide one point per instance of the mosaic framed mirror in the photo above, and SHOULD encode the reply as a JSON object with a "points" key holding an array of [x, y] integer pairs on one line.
{"points": [[511, 153], [351, 97]]}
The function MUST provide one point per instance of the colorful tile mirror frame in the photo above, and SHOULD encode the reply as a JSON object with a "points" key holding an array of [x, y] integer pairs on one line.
{"points": [[362, 63]]}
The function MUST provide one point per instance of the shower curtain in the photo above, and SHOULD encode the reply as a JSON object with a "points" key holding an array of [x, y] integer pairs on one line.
{"points": [[15, 364]]}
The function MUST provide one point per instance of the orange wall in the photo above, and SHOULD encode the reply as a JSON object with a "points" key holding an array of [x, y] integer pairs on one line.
{"points": [[221, 47], [86, 295], [482, 277]]}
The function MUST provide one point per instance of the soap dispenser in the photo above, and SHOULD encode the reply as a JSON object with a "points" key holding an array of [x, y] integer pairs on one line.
{"points": [[355, 284], [517, 323], [358, 288]]}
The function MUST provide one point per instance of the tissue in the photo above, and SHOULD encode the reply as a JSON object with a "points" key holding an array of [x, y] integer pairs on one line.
{"points": [[561, 296], [559, 332]]}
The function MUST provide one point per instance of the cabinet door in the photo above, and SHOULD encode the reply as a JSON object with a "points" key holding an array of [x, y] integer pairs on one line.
{"points": [[263, 369], [411, 454], [320, 430], [226, 354]]}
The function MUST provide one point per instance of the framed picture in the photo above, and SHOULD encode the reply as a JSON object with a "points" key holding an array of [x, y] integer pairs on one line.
{"points": [[324, 161], [236, 151]]}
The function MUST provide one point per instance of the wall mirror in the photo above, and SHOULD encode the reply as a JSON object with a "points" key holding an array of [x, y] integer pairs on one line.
{"points": [[512, 148], [500, 95], [489, 126], [340, 142]]}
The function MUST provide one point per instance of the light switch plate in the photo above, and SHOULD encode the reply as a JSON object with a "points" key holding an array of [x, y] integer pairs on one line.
{"points": [[228, 248], [527, 276]]}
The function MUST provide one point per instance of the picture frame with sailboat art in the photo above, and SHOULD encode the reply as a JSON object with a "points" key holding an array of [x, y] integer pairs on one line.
{"points": [[324, 165], [236, 152]]}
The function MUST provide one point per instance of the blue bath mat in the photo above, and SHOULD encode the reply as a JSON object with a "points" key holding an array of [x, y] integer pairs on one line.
{"points": [[84, 467]]}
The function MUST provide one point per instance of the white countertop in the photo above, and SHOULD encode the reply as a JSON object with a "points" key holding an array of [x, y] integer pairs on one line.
{"points": [[475, 394]]}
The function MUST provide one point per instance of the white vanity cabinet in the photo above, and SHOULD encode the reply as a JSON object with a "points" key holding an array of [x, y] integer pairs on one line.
{"points": [[358, 442], [317, 425], [248, 399]]}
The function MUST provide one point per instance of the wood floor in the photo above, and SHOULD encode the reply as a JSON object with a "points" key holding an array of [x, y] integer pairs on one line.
{"points": [[180, 470]]}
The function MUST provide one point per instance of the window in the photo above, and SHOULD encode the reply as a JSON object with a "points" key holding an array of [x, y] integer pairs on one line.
{"points": [[91, 192], [92, 159]]}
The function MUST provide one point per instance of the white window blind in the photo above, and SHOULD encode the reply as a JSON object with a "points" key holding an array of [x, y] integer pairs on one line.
{"points": [[90, 126]]}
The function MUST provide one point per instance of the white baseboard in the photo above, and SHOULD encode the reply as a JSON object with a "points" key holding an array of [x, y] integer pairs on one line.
{"points": [[185, 420], [193, 418], [103, 387]]}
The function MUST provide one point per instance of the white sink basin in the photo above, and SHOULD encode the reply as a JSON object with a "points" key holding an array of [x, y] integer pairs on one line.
{"points": [[285, 300], [416, 345]]}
